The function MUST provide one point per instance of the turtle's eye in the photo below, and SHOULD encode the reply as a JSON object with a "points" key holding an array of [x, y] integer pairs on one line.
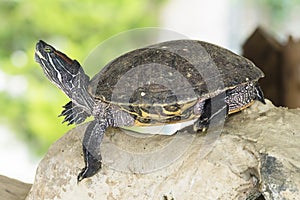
{"points": [[47, 49]]}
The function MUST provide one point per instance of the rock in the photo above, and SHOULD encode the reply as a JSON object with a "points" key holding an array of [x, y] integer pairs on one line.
{"points": [[276, 135], [256, 152], [11, 189]]}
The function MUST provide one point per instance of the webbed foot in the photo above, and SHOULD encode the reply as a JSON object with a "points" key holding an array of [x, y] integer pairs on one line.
{"points": [[201, 125], [73, 114], [93, 165]]}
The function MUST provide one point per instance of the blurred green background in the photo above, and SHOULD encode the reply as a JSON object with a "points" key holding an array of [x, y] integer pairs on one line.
{"points": [[29, 103]]}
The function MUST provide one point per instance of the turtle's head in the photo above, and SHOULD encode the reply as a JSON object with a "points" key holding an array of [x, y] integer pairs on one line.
{"points": [[64, 72]]}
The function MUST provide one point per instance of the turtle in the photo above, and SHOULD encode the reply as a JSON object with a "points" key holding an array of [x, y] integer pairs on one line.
{"points": [[166, 83]]}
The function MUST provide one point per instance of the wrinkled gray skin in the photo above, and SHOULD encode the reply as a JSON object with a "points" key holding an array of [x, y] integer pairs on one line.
{"points": [[93, 98]]}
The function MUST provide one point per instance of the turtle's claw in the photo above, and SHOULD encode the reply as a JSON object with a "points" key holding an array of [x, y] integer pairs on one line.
{"points": [[73, 114], [92, 166], [89, 171]]}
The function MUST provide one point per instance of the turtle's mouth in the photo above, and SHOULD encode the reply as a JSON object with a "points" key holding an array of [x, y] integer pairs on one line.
{"points": [[41, 60], [37, 57]]}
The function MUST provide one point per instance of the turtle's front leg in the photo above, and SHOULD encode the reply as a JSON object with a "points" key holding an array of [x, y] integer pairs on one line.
{"points": [[91, 148]]}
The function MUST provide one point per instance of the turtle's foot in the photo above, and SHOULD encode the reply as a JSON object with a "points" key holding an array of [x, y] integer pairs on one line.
{"points": [[73, 114], [218, 117], [93, 165], [201, 125]]}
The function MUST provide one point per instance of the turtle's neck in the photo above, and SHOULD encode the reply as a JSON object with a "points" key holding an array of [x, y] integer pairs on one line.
{"points": [[83, 99]]}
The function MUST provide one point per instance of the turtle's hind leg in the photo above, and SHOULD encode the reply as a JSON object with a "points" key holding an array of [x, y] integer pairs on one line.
{"points": [[73, 114], [214, 111]]}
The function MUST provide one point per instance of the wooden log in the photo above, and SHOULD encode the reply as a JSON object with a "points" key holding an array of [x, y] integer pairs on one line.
{"points": [[291, 73], [265, 52], [11, 189]]}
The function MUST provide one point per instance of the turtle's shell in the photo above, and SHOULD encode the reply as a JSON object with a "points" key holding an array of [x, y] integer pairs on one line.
{"points": [[173, 72]]}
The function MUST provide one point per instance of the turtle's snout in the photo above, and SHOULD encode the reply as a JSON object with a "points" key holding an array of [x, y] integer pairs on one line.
{"points": [[40, 45], [36, 58], [44, 48], [39, 51], [43, 51]]}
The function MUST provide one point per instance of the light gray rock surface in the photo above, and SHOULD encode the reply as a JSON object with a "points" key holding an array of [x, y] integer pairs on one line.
{"points": [[256, 151], [12, 189]]}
